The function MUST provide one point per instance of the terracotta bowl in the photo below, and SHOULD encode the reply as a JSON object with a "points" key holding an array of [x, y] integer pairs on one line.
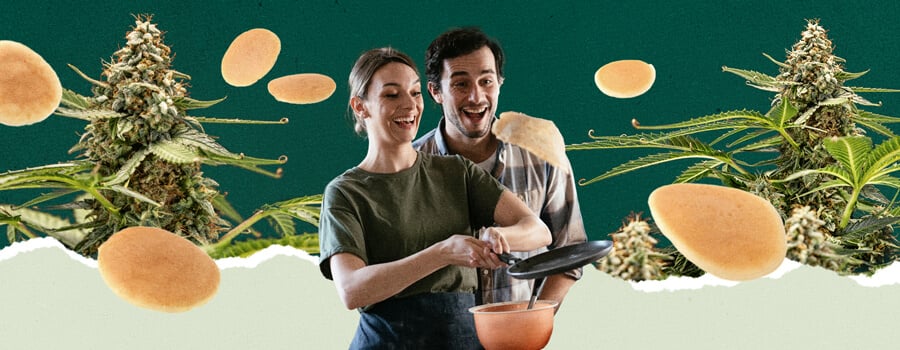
{"points": [[511, 325]]}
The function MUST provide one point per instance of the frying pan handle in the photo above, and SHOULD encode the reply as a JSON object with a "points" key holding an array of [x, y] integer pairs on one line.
{"points": [[508, 258]]}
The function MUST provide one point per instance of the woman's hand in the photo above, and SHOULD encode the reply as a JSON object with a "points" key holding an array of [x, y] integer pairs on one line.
{"points": [[495, 239], [464, 250]]}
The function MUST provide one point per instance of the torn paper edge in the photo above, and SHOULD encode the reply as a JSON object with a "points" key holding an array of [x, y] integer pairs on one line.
{"points": [[884, 277], [40, 243]]}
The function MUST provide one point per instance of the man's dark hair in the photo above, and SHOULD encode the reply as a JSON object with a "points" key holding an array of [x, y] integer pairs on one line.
{"points": [[458, 42]]}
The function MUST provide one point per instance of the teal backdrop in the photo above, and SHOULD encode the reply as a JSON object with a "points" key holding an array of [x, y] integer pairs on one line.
{"points": [[553, 50]]}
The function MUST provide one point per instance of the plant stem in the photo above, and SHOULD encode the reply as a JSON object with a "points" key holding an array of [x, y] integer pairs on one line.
{"points": [[787, 137], [24, 229], [851, 205], [237, 230]]}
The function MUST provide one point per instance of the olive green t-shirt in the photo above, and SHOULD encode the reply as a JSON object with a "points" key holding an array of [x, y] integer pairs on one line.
{"points": [[386, 217]]}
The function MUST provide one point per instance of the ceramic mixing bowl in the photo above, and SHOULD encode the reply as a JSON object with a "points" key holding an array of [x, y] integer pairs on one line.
{"points": [[511, 325]]}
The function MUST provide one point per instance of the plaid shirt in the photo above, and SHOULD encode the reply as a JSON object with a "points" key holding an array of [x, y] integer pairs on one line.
{"points": [[548, 192]]}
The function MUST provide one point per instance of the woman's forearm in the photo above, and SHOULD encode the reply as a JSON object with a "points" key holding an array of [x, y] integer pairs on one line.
{"points": [[359, 284]]}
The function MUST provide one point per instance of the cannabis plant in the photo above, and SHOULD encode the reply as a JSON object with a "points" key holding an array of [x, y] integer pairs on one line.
{"points": [[633, 257], [809, 149], [139, 162]]}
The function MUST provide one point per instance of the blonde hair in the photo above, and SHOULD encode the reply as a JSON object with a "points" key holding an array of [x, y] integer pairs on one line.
{"points": [[361, 74]]}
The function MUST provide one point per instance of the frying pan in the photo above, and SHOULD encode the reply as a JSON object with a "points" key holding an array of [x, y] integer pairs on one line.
{"points": [[553, 262]]}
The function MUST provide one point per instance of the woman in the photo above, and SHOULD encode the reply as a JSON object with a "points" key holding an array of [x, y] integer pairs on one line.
{"points": [[397, 231]]}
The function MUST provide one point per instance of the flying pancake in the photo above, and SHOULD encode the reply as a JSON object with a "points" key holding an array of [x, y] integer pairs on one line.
{"points": [[302, 88], [250, 57], [625, 78], [30, 90], [539, 136], [158, 270], [727, 232]]}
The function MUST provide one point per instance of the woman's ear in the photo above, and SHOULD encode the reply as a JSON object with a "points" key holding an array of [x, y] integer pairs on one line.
{"points": [[435, 92], [359, 108]]}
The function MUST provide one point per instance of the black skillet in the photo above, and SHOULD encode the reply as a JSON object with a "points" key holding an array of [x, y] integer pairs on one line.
{"points": [[553, 262]]}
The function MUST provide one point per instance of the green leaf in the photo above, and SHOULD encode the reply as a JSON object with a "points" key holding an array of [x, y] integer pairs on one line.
{"points": [[198, 140], [698, 171], [248, 163], [884, 155], [87, 114], [38, 174], [876, 127], [282, 223], [48, 224], [835, 101], [134, 194], [307, 242], [762, 145], [851, 152], [831, 170], [174, 152], [187, 103], [862, 101], [648, 140], [859, 89], [886, 180], [864, 115], [47, 196], [11, 233], [179, 75], [645, 162], [72, 99], [754, 118], [236, 121], [827, 185], [89, 79], [756, 79], [127, 169], [225, 208], [782, 113], [141, 86], [844, 76], [801, 120], [779, 63], [307, 208], [860, 228], [664, 141], [753, 135]]}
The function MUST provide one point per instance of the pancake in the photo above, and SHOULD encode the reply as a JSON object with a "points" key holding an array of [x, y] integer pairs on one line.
{"points": [[727, 232], [625, 78], [539, 136], [250, 57], [30, 90], [302, 88], [158, 270]]}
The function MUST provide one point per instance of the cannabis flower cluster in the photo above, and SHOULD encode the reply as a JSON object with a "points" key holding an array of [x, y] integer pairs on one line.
{"points": [[633, 256]]}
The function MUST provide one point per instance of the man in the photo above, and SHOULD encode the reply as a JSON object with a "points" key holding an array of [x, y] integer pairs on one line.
{"points": [[464, 69]]}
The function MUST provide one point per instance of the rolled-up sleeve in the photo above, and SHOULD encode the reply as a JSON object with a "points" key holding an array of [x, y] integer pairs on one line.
{"points": [[340, 230]]}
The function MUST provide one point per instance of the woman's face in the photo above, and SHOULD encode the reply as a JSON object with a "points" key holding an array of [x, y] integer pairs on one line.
{"points": [[393, 106]]}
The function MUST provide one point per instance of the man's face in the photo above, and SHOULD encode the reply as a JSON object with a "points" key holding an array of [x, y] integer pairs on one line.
{"points": [[468, 93]]}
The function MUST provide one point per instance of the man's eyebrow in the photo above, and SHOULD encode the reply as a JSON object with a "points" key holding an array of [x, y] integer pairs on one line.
{"points": [[458, 73]]}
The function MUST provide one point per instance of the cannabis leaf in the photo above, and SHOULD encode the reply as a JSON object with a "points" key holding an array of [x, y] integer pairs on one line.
{"points": [[280, 214], [858, 165]]}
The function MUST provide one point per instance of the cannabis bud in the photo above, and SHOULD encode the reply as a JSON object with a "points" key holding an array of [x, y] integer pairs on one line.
{"points": [[633, 257]]}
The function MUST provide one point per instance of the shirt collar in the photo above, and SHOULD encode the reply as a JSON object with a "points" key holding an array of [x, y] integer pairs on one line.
{"points": [[439, 139], [441, 144]]}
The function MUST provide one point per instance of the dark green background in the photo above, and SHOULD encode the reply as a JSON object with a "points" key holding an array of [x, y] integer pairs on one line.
{"points": [[553, 51]]}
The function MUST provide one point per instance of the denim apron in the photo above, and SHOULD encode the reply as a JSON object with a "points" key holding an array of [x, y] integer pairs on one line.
{"points": [[424, 321]]}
